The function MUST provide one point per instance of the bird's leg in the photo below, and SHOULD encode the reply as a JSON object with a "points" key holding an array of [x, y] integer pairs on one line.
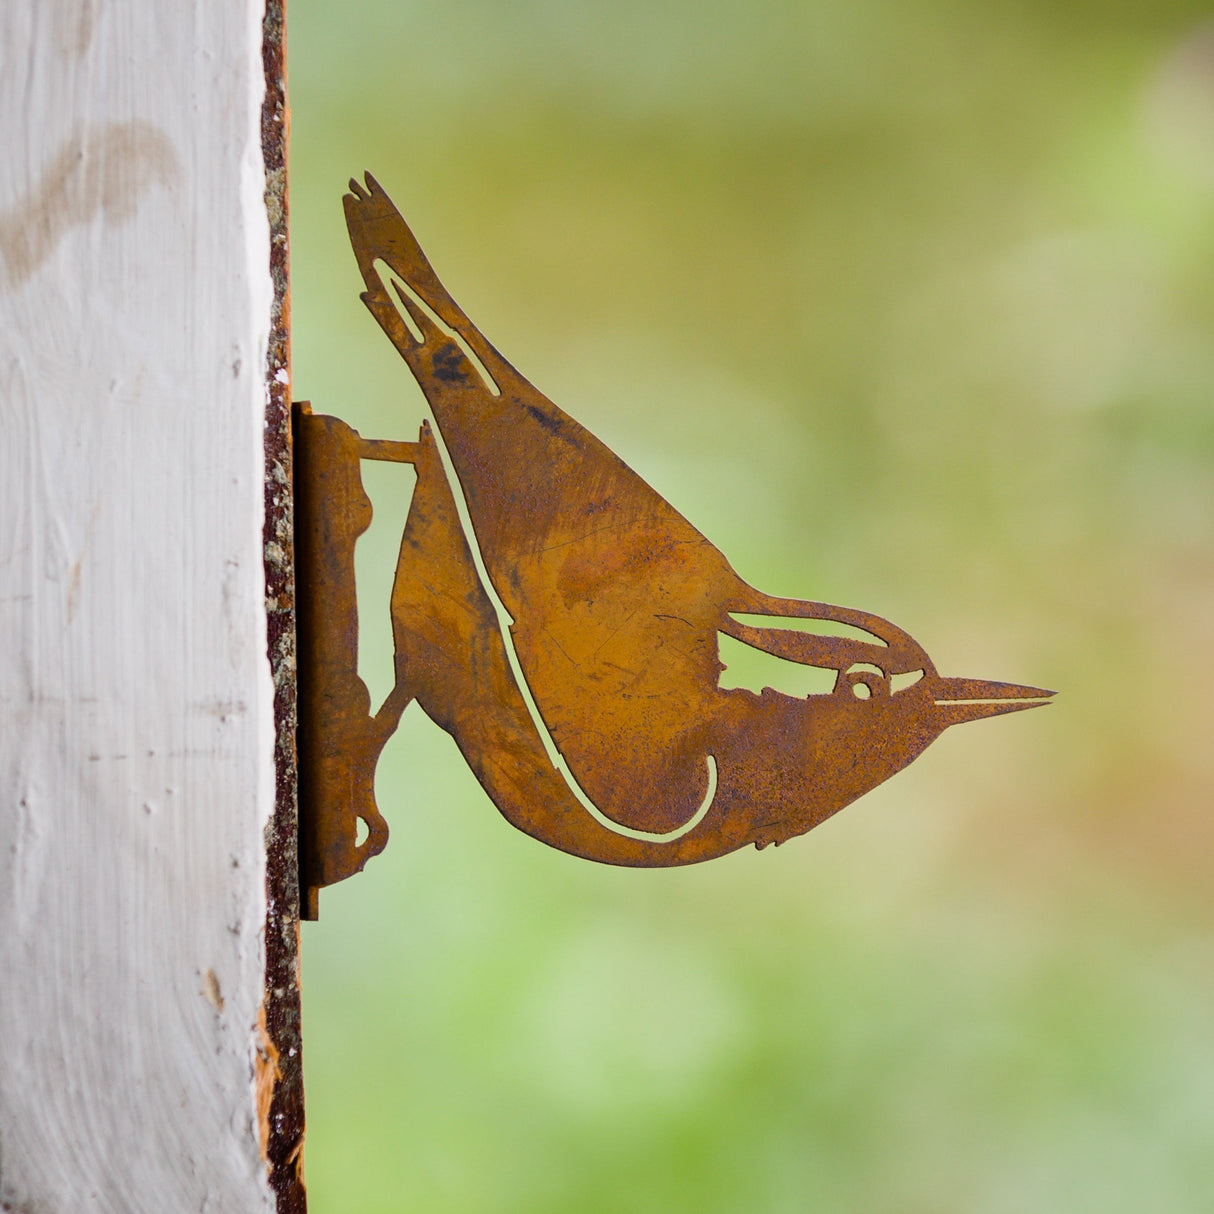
{"points": [[388, 450], [387, 718]]}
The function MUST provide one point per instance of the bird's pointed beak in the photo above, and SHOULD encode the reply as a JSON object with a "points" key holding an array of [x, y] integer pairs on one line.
{"points": [[960, 700]]}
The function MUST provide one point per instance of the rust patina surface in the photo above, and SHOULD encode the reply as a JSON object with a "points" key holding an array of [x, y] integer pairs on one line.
{"points": [[560, 620]]}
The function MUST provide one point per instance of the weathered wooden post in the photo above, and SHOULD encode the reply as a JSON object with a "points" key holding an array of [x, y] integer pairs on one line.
{"points": [[149, 1049]]}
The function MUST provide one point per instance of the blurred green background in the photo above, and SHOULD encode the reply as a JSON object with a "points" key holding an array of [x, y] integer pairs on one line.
{"points": [[907, 306]]}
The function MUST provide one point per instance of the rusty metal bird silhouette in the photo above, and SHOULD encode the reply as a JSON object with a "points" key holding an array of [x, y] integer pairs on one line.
{"points": [[560, 619]]}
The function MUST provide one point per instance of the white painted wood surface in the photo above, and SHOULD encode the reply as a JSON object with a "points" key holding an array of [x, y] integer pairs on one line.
{"points": [[135, 695]]}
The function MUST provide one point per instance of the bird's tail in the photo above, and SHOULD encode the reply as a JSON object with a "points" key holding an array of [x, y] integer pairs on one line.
{"points": [[422, 314]]}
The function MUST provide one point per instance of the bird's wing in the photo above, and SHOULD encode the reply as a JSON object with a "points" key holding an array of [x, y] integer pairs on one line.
{"points": [[610, 595]]}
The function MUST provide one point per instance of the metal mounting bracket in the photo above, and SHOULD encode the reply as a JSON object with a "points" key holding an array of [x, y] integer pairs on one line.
{"points": [[339, 738]]}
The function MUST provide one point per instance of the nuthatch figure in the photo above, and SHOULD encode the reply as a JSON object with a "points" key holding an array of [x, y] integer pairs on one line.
{"points": [[561, 619]]}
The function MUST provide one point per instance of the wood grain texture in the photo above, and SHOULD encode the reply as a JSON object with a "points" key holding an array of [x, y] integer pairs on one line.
{"points": [[136, 754]]}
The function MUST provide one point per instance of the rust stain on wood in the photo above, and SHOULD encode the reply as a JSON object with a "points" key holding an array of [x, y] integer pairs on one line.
{"points": [[102, 170], [211, 991], [73, 23]]}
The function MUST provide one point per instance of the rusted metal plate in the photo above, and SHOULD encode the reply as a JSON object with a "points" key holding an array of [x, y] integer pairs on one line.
{"points": [[339, 738], [560, 620]]}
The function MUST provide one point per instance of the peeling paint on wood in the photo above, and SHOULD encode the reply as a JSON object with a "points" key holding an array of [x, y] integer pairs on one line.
{"points": [[280, 1096], [268, 1075]]}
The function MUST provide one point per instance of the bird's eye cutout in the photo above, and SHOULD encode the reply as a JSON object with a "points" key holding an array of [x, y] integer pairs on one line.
{"points": [[864, 681]]}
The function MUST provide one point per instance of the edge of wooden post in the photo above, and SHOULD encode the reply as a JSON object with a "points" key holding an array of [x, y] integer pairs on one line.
{"points": [[280, 1087]]}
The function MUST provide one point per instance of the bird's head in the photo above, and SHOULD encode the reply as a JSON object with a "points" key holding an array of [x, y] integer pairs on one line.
{"points": [[874, 661], [888, 702], [896, 669]]}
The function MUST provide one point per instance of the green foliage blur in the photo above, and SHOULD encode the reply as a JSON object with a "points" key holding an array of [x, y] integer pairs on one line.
{"points": [[907, 305]]}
